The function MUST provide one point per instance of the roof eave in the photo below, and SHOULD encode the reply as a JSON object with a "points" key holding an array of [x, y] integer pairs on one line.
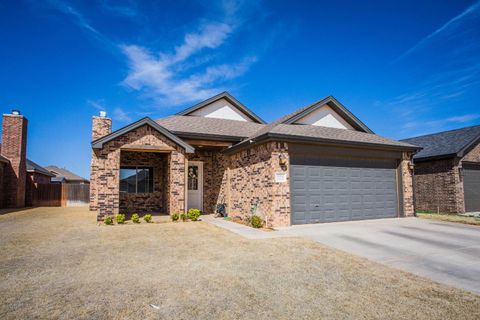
{"points": [[294, 138]]}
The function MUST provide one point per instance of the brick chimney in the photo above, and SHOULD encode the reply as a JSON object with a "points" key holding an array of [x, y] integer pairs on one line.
{"points": [[14, 148], [101, 126]]}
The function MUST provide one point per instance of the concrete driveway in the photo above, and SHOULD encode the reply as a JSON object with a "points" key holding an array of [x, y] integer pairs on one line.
{"points": [[444, 252]]}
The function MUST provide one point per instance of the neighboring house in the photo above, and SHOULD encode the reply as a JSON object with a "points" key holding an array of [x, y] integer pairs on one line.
{"points": [[62, 175], [18, 175], [320, 163], [447, 171]]}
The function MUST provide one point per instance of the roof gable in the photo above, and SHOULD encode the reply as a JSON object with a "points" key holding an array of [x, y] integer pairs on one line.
{"points": [[325, 116], [222, 106], [64, 174], [35, 167], [446, 144], [340, 114], [98, 144]]}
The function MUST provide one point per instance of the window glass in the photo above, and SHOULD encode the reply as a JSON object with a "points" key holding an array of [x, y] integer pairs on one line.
{"points": [[136, 179], [192, 177]]}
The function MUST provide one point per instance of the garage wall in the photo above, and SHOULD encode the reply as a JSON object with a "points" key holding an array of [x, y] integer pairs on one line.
{"points": [[438, 187], [251, 180]]}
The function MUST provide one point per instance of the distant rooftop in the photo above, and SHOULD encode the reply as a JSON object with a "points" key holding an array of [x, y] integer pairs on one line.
{"points": [[453, 143]]}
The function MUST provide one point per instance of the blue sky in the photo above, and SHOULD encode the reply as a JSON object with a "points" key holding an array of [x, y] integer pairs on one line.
{"points": [[405, 68]]}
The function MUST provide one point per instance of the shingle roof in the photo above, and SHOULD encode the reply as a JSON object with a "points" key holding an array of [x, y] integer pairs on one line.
{"points": [[192, 125], [62, 172], [446, 144], [327, 135], [34, 167]]}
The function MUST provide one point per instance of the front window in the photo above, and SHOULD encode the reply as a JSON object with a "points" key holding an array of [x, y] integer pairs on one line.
{"points": [[136, 179]]}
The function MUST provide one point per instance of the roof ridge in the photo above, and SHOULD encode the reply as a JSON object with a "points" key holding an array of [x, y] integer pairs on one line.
{"points": [[440, 132]]}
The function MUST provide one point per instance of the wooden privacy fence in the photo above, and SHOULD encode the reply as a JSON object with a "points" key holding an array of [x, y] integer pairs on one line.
{"points": [[61, 195]]}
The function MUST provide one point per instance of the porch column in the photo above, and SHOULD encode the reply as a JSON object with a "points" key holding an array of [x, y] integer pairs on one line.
{"points": [[106, 168], [176, 182]]}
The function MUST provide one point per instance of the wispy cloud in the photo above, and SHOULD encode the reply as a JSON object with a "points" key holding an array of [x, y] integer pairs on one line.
{"points": [[120, 10], [421, 127], [121, 115], [446, 28], [167, 78], [79, 19]]}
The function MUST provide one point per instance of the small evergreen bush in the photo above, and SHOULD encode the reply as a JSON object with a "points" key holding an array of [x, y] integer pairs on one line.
{"points": [[135, 218], [147, 218], [108, 221], [256, 221], [193, 214], [120, 218], [175, 217], [184, 217]]}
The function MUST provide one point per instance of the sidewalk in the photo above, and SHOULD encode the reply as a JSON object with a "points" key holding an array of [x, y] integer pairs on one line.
{"points": [[240, 229]]}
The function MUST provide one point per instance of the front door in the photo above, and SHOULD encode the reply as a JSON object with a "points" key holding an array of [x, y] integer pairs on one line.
{"points": [[195, 184]]}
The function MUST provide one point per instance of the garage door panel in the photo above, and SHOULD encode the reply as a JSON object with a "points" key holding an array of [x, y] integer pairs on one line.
{"points": [[341, 193], [471, 187]]}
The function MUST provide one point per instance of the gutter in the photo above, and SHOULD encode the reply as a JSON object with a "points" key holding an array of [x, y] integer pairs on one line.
{"points": [[291, 138]]}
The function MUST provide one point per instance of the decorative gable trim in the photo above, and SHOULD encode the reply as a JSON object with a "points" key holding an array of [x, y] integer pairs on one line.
{"points": [[227, 96], [98, 144], [337, 107]]}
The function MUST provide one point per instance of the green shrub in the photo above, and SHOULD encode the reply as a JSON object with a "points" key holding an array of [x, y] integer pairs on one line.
{"points": [[135, 218], [184, 217], [175, 217], [108, 221], [147, 218], [256, 221], [193, 214], [120, 218]]}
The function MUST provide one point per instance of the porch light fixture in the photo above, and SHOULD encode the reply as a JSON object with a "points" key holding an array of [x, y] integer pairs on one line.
{"points": [[282, 159]]}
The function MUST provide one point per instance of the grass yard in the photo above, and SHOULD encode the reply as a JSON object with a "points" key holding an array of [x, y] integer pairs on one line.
{"points": [[58, 263], [450, 218]]}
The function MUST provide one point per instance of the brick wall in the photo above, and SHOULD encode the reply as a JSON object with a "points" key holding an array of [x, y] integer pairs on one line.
{"points": [[407, 185], [105, 167], [146, 202], [101, 126], [14, 148], [438, 187], [2, 171], [473, 155], [251, 175], [214, 173]]}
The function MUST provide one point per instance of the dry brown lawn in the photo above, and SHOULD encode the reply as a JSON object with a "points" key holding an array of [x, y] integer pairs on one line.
{"points": [[450, 218], [58, 263]]}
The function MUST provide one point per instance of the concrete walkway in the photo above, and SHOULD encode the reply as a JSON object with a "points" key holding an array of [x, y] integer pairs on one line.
{"points": [[448, 253], [240, 229], [445, 252]]}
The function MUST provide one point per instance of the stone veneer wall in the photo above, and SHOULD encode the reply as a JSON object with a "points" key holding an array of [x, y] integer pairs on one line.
{"points": [[214, 177], [407, 185], [438, 187], [251, 181], [146, 202], [105, 173]]}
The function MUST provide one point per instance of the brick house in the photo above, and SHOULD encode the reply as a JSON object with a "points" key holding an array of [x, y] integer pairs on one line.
{"points": [[18, 175], [320, 163], [447, 171]]}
